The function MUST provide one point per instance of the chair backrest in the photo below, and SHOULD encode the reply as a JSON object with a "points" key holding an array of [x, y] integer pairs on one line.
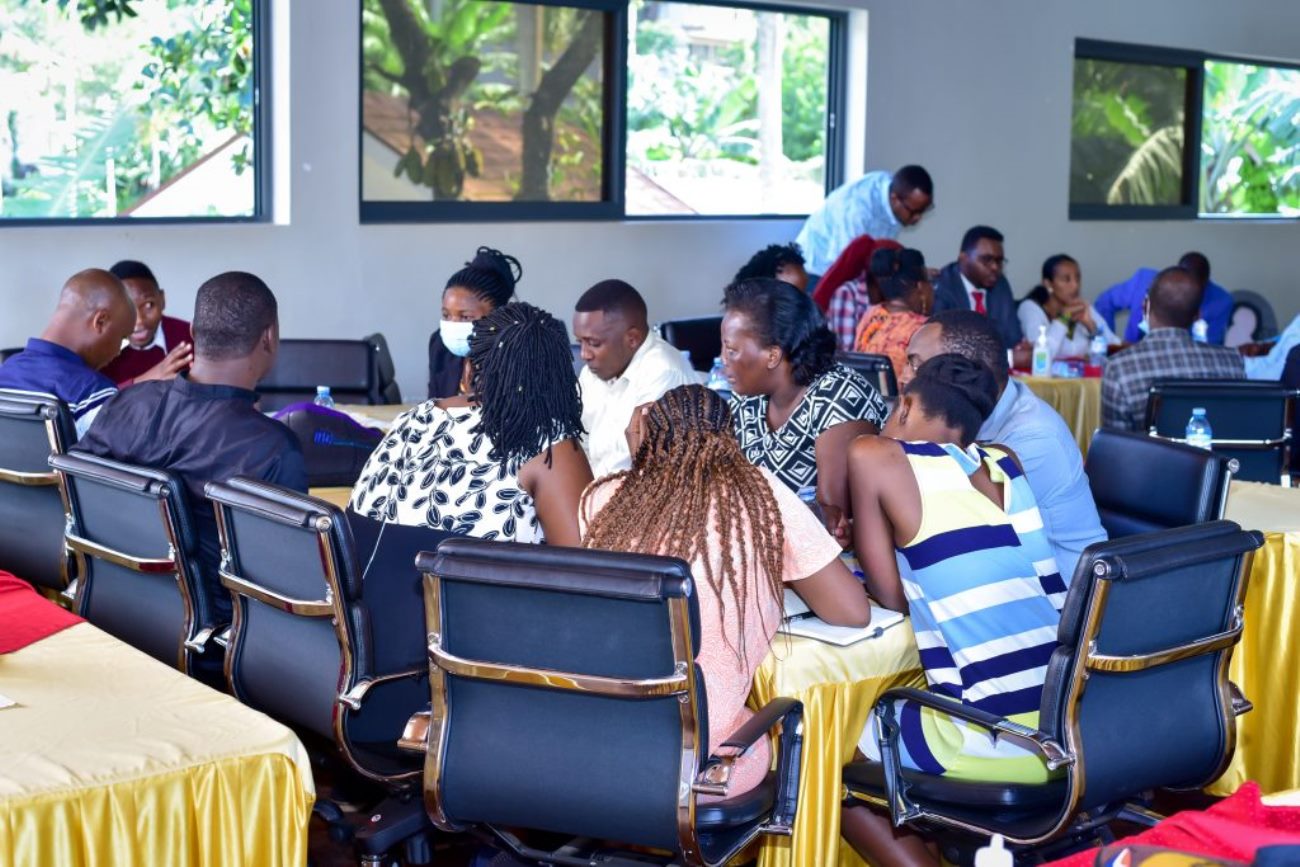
{"points": [[1251, 420], [33, 427], [701, 337], [134, 537], [878, 370], [1291, 379], [301, 646], [349, 367], [565, 695], [1252, 318], [334, 447], [1137, 688], [1141, 484], [385, 371]]}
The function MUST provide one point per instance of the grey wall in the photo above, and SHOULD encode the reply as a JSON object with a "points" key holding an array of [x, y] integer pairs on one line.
{"points": [[979, 92]]}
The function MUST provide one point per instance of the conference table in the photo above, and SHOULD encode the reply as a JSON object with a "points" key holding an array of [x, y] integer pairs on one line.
{"points": [[1076, 399], [1266, 664], [109, 757]]}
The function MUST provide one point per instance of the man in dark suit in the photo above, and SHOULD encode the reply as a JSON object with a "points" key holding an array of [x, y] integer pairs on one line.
{"points": [[976, 282]]}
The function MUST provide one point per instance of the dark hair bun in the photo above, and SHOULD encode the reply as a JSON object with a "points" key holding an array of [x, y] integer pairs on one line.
{"points": [[813, 355], [884, 262], [491, 275], [507, 267], [972, 379]]}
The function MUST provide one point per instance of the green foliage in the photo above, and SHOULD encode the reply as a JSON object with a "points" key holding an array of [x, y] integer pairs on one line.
{"points": [[1250, 144], [95, 13], [803, 87]]}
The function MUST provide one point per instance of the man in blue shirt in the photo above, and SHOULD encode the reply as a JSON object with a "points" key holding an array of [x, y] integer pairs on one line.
{"points": [[1025, 424], [1216, 305], [94, 317], [877, 204], [1271, 364], [207, 427]]}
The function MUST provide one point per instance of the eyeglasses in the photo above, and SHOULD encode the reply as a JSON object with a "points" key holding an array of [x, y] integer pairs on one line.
{"points": [[913, 214], [988, 260], [913, 362]]}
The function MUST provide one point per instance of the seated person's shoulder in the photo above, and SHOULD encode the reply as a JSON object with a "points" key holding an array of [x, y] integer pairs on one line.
{"points": [[875, 451]]}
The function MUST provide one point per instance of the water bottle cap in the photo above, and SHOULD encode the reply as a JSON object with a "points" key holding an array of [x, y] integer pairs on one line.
{"points": [[1198, 410], [322, 390]]}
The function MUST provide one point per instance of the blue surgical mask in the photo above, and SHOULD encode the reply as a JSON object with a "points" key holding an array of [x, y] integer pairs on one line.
{"points": [[1144, 326], [455, 336]]}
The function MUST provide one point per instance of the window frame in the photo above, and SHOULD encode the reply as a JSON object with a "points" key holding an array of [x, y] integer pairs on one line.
{"points": [[613, 206], [1193, 61], [262, 142]]}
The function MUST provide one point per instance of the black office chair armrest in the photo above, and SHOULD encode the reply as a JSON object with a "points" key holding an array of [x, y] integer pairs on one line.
{"points": [[901, 808], [714, 777], [218, 634], [357, 694]]}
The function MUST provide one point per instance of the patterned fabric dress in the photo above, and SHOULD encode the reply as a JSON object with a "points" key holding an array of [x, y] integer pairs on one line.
{"points": [[839, 395], [886, 332], [434, 470], [985, 600]]}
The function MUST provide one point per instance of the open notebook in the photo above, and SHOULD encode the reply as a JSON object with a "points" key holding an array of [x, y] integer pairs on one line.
{"points": [[799, 620]]}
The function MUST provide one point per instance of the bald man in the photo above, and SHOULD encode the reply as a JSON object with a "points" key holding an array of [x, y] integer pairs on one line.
{"points": [[94, 317], [1167, 352]]}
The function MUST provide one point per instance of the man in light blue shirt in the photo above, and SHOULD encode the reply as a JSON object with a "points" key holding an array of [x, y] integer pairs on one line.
{"points": [[877, 204], [1270, 366], [1022, 422]]}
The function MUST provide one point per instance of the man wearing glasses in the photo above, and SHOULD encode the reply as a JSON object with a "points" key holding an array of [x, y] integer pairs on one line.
{"points": [[976, 282], [877, 204]]}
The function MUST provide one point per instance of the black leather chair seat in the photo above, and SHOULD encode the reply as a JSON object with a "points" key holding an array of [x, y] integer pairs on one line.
{"points": [[385, 757], [743, 809]]}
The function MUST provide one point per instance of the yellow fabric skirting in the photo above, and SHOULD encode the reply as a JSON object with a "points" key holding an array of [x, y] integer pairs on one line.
{"points": [[838, 687], [1078, 401], [110, 757]]}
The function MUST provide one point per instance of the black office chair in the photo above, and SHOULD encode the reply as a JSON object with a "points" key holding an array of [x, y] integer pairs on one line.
{"points": [[878, 370], [1251, 421], [1136, 698], [566, 699], [701, 337], [1141, 484], [313, 646], [1291, 379], [136, 546], [33, 427], [351, 369], [385, 371], [334, 447]]}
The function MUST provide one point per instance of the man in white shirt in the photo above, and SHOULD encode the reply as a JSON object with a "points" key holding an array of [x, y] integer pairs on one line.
{"points": [[626, 366]]}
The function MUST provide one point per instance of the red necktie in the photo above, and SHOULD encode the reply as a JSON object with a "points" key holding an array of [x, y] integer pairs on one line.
{"points": [[979, 302]]}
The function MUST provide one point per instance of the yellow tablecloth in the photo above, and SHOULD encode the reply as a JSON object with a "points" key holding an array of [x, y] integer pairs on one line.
{"points": [[337, 496], [838, 687], [112, 758], [1266, 665], [1077, 400]]}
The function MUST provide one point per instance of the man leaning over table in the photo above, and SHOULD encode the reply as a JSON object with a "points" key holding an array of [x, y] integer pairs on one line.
{"points": [[1027, 425], [626, 365], [206, 427]]}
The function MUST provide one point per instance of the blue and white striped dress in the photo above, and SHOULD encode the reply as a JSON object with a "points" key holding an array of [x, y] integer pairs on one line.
{"points": [[985, 599]]}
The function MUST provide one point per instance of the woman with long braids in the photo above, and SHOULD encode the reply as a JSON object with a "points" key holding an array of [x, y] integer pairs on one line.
{"points": [[502, 462], [692, 494], [484, 284]]}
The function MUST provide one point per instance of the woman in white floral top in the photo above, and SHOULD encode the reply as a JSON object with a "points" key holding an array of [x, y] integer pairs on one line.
{"points": [[503, 462]]}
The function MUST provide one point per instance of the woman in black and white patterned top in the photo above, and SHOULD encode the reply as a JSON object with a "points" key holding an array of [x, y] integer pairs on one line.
{"points": [[503, 462], [795, 409]]}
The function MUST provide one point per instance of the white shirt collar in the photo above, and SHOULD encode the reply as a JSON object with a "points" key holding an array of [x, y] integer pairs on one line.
{"points": [[159, 341]]}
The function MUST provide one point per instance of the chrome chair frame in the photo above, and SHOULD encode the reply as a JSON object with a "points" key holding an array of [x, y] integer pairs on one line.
{"points": [[710, 778], [1069, 755], [47, 408]]}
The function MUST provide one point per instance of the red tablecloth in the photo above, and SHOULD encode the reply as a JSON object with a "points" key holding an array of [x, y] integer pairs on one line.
{"points": [[25, 617], [1232, 829]]}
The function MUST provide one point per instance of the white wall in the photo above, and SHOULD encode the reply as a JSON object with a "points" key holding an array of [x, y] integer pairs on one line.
{"points": [[979, 92]]}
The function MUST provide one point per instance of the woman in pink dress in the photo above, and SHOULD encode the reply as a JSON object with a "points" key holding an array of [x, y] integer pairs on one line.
{"points": [[691, 493]]}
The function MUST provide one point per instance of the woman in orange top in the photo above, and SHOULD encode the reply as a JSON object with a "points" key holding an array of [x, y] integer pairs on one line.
{"points": [[908, 299]]}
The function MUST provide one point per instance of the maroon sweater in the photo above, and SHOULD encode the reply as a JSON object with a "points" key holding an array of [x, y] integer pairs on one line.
{"points": [[132, 362]]}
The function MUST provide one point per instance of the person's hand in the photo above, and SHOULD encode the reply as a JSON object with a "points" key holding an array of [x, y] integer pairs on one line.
{"points": [[1022, 355], [1254, 350], [837, 523], [175, 361], [1081, 312], [635, 432]]}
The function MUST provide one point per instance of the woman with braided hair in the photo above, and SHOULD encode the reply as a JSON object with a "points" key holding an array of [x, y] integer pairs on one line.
{"points": [[691, 493], [949, 531], [502, 462], [483, 285]]}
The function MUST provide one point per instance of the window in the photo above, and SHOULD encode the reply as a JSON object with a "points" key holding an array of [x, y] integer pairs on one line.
{"points": [[1250, 140], [147, 114], [477, 102], [1167, 133], [727, 110], [555, 109]]}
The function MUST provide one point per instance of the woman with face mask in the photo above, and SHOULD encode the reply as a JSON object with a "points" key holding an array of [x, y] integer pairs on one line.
{"points": [[483, 285]]}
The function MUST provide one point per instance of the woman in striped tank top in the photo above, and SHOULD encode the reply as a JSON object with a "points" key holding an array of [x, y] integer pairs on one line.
{"points": [[949, 532]]}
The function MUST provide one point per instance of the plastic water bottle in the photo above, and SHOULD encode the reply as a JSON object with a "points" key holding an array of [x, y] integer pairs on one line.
{"points": [[323, 397], [717, 380], [1199, 433], [995, 854], [1042, 365], [1200, 331], [1097, 350]]}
